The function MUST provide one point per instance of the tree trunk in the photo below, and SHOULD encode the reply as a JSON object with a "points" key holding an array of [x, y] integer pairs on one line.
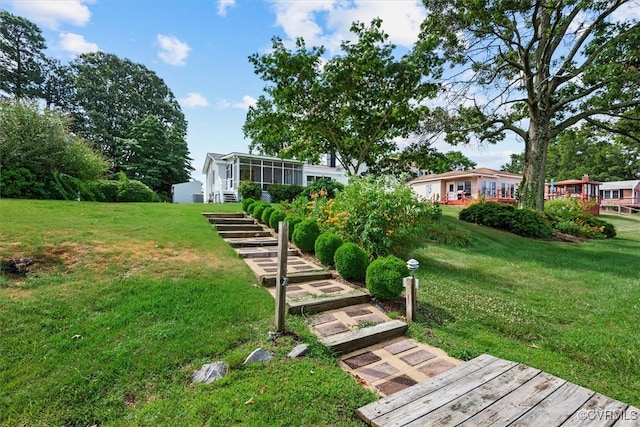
{"points": [[531, 189]]}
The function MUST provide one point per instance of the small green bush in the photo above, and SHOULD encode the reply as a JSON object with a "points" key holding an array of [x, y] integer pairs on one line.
{"points": [[277, 216], [326, 246], [284, 193], [384, 277], [351, 261], [135, 191], [305, 235], [266, 214], [254, 205], [293, 220], [246, 202], [249, 189], [258, 209]]}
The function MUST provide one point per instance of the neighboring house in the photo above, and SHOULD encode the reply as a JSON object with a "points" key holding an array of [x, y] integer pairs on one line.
{"points": [[225, 172], [623, 196], [461, 187], [585, 189], [187, 192]]}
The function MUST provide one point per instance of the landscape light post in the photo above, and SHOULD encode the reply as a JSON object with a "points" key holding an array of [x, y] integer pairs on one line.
{"points": [[411, 284]]}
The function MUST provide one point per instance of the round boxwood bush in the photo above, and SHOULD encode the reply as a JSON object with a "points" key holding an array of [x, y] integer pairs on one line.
{"points": [[326, 246], [249, 189], [351, 261], [384, 277], [305, 235], [293, 220], [257, 210], [246, 202], [275, 218], [266, 214], [254, 205]]}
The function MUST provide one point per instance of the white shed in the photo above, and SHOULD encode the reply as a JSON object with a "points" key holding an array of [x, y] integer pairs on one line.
{"points": [[187, 192]]}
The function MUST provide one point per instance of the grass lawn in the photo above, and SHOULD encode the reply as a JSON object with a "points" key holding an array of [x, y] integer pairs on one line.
{"points": [[571, 309], [124, 303]]}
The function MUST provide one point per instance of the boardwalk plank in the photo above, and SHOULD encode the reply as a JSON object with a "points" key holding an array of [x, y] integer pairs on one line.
{"points": [[599, 411], [514, 405], [421, 407], [557, 407], [397, 400], [631, 418], [476, 400]]}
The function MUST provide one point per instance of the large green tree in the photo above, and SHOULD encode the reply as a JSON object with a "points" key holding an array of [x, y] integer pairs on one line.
{"points": [[22, 58], [352, 105], [36, 146], [109, 96], [152, 156], [534, 68]]}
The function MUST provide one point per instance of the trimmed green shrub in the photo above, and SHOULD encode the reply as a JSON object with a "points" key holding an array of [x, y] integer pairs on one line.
{"points": [[284, 193], [293, 220], [305, 235], [135, 191], [524, 222], [266, 214], [258, 209], [384, 277], [249, 189], [246, 202], [107, 191], [277, 216], [326, 246], [351, 261], [254, 205]]}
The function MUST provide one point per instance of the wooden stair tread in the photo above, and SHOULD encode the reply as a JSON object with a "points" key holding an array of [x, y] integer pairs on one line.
{"points": [[353, 340], [318, 304]]}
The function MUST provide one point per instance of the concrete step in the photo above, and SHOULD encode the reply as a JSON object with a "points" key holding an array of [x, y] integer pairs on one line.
{"points": [[243, 234], [263, 252], [317, 304], [223, 214], [239, 227], [270, 280], [360, 338]]}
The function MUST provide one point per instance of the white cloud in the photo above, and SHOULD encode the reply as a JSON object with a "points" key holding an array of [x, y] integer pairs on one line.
{"points": [[193, 100], [76, 44], [172, 51], [327, 22], [247, 101], [52, 13], [223, 5]]}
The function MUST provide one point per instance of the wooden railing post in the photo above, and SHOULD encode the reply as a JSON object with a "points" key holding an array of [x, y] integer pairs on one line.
{"points": [[281, 275]]}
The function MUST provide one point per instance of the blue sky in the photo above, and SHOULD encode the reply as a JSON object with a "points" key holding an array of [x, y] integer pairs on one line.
{"points": [[200, 49]]}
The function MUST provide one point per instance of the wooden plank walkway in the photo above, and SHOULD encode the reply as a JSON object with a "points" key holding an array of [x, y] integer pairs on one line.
{"points": [[488, 391]]}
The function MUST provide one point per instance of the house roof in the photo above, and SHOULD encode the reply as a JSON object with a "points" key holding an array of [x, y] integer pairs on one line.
{"points": [[576, 181], [471, 173], [620, 185]]}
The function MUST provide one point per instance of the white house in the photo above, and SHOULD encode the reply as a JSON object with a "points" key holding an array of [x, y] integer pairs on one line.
{"points": [[187, 192], [623, 196], [225, 172], [461, 187]]}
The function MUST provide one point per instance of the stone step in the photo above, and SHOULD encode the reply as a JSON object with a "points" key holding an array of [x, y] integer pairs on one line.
{"points": [[317, 304], [354, 340], [252, 242], [243, 234], [262, 252], [244, 220], [239, 227], [224, 214], [269, 280]]}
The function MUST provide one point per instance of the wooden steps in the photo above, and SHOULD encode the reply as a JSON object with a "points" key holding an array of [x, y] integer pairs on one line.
{"points": [[239, 227], [270, 280], [223, 215], [364, 337], [262, 251], [320, 304], [244, 234], [231, 221]]}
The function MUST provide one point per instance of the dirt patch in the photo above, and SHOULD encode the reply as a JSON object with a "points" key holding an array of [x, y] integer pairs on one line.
{"points": [[99, 257]]}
